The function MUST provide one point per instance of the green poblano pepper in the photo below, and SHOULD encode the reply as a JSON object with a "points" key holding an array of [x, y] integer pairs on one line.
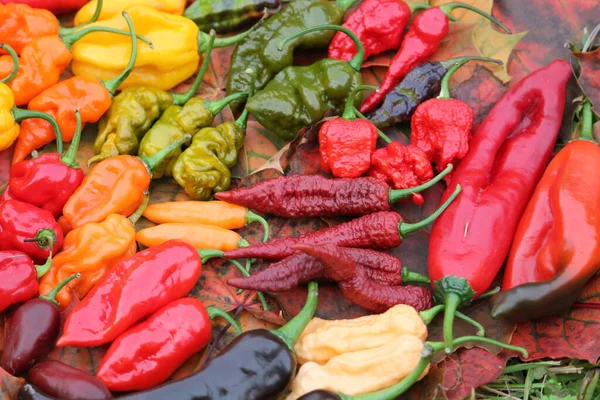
{"points": [[259, 52], [226, 15]]}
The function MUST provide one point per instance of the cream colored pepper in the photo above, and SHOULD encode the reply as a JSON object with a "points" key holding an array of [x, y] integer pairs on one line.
{"points": [[362, 371], [322, 339]]}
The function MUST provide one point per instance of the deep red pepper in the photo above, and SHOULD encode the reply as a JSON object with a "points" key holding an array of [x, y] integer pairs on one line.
{"points": [[507, 158], [29, 229], [19, 277], [379, 24], [356, 285], [380, 230], [32, 331], [421, 41], [57, 7], [49, 180], [299, 196], [134, 288]]}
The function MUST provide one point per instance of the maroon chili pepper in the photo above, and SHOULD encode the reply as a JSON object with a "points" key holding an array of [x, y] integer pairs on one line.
{"points": [[299, 268], [32, 331], [19, 277], [299, 196], [381, 230], [62, 381], [356, 285], [29, 229]]}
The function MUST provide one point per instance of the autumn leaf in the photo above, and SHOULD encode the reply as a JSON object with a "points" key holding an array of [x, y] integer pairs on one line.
{"points": [[589, 79], [10, 385]]}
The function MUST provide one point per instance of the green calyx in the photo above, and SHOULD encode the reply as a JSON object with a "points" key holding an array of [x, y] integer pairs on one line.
{"points": [[70, 157], [397, 194], [214, 312], [449, 7], [44, 238], [252, 217], [586, 131], [355, 62], [153, 161], [406, 228], [349, 113], [137, 214], [20, 115], [181, 99], [291, 331], [413, 277], [51, 297], [455, 64], [67, 31], [15, 61]]}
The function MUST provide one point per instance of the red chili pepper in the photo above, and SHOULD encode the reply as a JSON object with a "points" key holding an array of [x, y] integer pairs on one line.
{"points": [[57, 7], [49, 180], [29, 229], [507, 158], [556, 249], [299, 196], [356, 285], [379, 24], [19, 277], [134, 288], [301, 268], [380, 230], [422, 40]]}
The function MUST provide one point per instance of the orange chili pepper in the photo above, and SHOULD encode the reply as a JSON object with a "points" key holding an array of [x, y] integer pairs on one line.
{"points": [[92, 97], [217, 213], [198, 235]]}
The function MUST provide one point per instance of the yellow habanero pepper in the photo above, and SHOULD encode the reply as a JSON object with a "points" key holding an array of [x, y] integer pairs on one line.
{"points": [[110, 8]]}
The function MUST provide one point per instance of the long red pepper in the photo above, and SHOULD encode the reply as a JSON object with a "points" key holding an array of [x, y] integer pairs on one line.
{"points": [[422, 40], [380, 230], [508, 154]]}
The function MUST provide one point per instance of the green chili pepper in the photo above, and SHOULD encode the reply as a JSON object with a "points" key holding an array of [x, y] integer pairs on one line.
{"points": [[226, 15]]}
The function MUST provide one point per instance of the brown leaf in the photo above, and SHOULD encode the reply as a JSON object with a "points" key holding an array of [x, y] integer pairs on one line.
{"points": [[589, 79], [9, 385]]}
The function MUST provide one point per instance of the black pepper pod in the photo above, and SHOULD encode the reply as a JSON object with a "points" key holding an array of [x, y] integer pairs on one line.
{"points": [[419, 85], [256, 365], [32, 331]]}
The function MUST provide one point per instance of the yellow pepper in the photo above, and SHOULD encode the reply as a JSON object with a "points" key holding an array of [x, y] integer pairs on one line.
{"points": [[363, 371], [323, 340], [110, 8], [173, 58], [9, 129]]}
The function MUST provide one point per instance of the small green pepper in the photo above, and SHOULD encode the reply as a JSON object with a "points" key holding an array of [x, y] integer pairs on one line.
{"points": [[227, 15]]}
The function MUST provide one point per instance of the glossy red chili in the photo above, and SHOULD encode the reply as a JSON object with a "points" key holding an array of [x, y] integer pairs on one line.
{"points": [[19, 277]]}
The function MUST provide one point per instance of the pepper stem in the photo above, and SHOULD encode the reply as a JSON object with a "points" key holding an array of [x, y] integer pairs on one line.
{"points": [[349, 106], [452, 302], [66, 31], [457, 63], [397, 194], [51, 297], [471, 321], [15, 62], [252, 217], [345, 4], [291, 331], [587, 128], [417, 6], [70, 39], [137, 214], [113, 84], [382, 135], [242, 121], [203, 38], [413, 277], [245, 273], [49, 237], [356, 61], [181, 99], [20, 115], [70, 157], [490, 293], [214, 312], [449, 7], [207, 254], [43, 269], [44, 238], [406, 228], [428, 315], [153, 161], [480, 339], [216, 106]]}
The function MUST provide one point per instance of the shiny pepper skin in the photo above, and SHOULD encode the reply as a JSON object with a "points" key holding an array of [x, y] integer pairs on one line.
{"points": [[20, 24], [401, 167], [110, 8], [442, 129], [9, 129], [225, 16], [92, 250], [346, 146], [18, 278], [175, 332], [379, 24], [134, 288]]}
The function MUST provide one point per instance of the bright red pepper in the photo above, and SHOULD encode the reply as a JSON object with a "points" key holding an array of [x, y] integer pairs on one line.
{"points": [[421, 42], [507, 158], [19, 277], [57, 7], [29, 229], [136, 287], [49, 180]]}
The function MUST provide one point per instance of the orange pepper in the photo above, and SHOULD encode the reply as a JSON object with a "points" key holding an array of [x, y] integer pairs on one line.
{"points": [[20, 24], [198, 235]]}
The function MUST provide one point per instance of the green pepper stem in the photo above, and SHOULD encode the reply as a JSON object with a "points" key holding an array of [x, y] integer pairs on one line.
{"points": [[428, 315], [417, 6], [113, 84], [345, 4], [43, 269], [70, 39], [356, 61], [457, 63], [587, 128], [214, 312], [51, 297], [452, 302], [480, 339], [181, 99], [591, 39], [70, 157], [291, 331], [66, 31], [471, 321], [216, 106], [382, 135], [406, 228], [226, 41], [45, 238], [349, 106], [137, 214], [397, 194], [207, 254], [490, 293], [245, 273], [153, 161], [449, 7], [15, 62], [252, 217], [20, 115], [242, 121], [413, 277]]}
